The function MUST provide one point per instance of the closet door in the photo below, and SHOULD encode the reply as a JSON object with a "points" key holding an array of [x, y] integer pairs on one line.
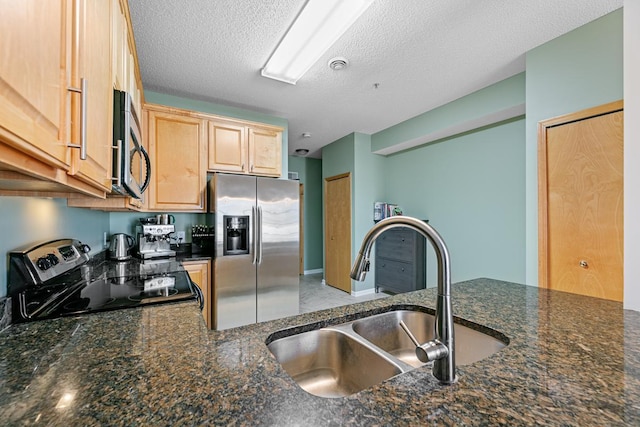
{"points": [[581, 202], [337, 235]]}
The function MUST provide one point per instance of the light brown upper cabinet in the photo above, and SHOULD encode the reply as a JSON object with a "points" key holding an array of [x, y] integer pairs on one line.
{"points": [[93, 110], [125, 71], [119, 47], [49, 49], [34, 71], [265, 152], [124, 76], [227, 147], [245, 148], [177, 147]]}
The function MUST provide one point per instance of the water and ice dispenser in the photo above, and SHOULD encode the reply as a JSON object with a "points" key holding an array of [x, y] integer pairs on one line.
{"points": [[236, 234]]}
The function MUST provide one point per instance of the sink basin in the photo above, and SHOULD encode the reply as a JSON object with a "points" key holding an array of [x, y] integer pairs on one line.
{"points": [[330, 363], [344, 359], [384, 331]]}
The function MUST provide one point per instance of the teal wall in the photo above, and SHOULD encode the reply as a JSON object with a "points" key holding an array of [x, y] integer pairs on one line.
{"points": [[368, 187], [125, 222], [29, 220], [310, 174], [506, 95], [578, 70], [352, 154], [470, 188], [339, 158]]}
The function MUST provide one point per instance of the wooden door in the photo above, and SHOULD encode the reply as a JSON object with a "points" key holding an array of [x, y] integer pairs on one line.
{"points": [[227, 147], [34, 79], [178, 162], [265, 152], [581, 202], [92, 62], [337, 237]]}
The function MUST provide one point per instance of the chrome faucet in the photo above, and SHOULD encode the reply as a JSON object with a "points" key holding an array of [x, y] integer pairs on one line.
{"points": [[441, 349]]}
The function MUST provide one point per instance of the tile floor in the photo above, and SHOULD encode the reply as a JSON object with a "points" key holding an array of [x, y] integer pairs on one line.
{"points": [[315, 296]]}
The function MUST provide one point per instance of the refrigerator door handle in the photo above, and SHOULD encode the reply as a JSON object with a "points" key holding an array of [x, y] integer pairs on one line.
{"points": [[259, 235], [254, 218]]}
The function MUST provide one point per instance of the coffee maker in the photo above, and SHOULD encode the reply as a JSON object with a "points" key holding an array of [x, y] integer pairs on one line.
{"points": [[154, 240]]}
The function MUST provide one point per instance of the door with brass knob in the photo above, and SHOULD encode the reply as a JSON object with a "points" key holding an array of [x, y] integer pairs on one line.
{"points": [[580, 200], [337, 252]]}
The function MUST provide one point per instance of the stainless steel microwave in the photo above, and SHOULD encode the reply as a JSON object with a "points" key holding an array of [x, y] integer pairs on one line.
{"points": [[131, 163]]}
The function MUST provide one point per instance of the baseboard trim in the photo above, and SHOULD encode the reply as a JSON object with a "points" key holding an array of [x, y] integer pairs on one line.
{"points": [[316, 271], [363, 292]]}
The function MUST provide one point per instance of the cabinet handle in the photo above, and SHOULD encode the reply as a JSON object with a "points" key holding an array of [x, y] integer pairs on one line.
{"points": [[118, 148], [83, 118], [251, 168], [243, 166], [584, 264]]}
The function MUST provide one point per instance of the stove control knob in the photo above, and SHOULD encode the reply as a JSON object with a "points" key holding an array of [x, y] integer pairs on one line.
{"points": [[53, 259], [85, 248], [43, 263]]}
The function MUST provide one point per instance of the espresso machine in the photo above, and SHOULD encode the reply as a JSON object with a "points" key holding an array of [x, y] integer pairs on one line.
{"points": [[154, 240]]}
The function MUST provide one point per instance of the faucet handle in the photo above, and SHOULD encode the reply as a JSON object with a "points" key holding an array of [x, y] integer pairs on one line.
{"points": [[429, 351]]}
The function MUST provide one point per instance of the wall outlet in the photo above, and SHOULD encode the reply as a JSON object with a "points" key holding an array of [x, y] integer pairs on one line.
{"points": [[180, 235]]}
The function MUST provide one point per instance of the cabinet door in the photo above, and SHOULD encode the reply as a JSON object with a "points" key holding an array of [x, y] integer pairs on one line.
{"points": [[227, 147], [395, 275], [178, 162], [265, 152], [92, 62], [199, 273], [337, 235], [133, 88], [119, 46], [398, 244], [33, 77]]}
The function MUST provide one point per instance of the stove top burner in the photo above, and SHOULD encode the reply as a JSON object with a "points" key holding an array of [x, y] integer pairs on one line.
{"points": [[80, 304], [101, 286], [154, 293]]}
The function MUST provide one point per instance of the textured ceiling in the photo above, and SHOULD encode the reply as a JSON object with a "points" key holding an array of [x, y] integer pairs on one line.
{"points": [[421, 53]]}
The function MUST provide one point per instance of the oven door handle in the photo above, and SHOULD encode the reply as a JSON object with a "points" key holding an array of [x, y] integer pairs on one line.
{"points": [[147, 162], [198, 292]]}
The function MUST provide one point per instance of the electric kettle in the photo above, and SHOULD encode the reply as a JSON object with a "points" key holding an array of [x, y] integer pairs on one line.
{"points": [[120, 246]]}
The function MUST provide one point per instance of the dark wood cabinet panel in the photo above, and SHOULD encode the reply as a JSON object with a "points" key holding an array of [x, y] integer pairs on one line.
{"points": [[400, 264]]}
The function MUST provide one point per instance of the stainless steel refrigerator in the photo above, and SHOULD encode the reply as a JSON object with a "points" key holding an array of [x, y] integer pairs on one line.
{"points": [[256, 261]]}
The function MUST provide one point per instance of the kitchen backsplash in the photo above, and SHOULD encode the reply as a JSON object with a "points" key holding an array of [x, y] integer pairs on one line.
{"points": [[30, 220]]}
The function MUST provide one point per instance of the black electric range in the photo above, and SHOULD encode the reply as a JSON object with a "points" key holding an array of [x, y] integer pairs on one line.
{"points": [[58, 278]]}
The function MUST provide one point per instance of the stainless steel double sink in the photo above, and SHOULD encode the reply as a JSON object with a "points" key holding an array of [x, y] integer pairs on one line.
{"points": [[340, 360]]}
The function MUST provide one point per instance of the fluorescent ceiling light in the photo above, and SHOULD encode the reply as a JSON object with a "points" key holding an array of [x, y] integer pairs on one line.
{"points": [[318, 26]]}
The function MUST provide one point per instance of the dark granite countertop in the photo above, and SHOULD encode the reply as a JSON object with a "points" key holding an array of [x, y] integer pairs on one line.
{"points": [[571, 360]]}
